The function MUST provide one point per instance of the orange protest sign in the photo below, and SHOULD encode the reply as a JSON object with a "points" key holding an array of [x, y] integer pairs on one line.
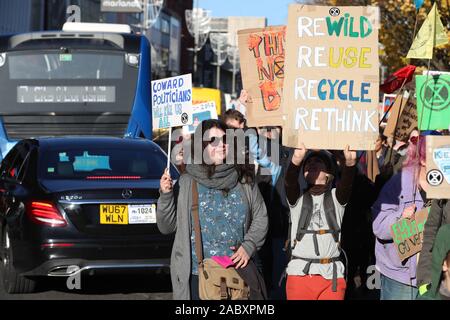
{"points": [[262, 53]]}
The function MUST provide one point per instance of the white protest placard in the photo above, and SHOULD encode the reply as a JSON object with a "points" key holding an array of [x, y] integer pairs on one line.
{"points": [[201, 112], [172, 102]]}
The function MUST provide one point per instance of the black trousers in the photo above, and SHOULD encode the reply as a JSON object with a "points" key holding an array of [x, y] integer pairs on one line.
{"points": [[193, 283]]}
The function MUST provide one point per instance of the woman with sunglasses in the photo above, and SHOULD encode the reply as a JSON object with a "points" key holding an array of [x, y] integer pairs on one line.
{"points": [[401, 197], [232, 214]]}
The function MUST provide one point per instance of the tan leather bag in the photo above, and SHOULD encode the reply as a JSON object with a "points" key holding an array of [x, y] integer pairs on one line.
{"points": [[214, 281], [219, 283]]}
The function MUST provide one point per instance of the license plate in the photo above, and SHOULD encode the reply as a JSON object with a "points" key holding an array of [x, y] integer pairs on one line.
{"points": [[138, 214], [127, 214], [113, 214]]}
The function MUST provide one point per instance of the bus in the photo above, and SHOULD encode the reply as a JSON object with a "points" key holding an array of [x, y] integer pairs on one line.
{"points": [[87, 79]]}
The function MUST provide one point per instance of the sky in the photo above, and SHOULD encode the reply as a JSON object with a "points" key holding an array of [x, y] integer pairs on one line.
{"points": [[274, 10]]}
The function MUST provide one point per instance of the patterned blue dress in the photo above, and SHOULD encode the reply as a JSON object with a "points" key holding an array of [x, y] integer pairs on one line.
{"points": [[222, 222]]}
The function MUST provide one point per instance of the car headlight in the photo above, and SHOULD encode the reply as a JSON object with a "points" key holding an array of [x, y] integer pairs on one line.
{"points": [[132, 59]]}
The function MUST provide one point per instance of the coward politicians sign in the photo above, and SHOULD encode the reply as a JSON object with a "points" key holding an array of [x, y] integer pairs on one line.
{"points": [[330, 91], [172, 102]]}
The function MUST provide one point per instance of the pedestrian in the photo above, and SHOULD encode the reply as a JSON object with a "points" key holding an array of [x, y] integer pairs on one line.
{"points": [[270, 181], [400, 197], [234, 119], [440, 267], [315, 271], [438, 216], [258, 153], [232, 214]]}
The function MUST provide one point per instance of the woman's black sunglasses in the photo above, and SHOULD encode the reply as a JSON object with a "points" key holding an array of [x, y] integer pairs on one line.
{"points": [[215, 141]]}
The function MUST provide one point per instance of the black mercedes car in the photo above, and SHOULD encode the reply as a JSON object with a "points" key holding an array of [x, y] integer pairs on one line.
{"points": [[80, 203]]}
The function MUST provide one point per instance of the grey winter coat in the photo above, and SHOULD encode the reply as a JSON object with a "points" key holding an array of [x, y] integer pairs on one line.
{"points": [[439, 215], [174, 215]]}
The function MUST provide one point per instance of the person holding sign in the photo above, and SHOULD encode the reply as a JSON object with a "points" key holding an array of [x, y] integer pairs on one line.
{"points": [[231, 212], [315, 271], [400, 197]]}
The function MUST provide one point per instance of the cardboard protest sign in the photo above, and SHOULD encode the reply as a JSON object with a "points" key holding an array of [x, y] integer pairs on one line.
{"points": [[408, 234], [330, 93], [373, 169], [200, 112], [202, 95], [438, 167], [388, 100], [172, 102], [407, 121], [433, 101], [262, 68], [396, 111]]}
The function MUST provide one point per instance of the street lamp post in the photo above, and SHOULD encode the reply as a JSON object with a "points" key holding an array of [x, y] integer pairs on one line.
{"points": [[219, 47], [199, 24], [233, 57], [153, 8], [150, 13]]}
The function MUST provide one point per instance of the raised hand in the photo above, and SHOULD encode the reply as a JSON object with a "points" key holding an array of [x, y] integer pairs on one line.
{"points": [[299, 154], [166, 183], [243, 97], [409, 212], [350, 156]]}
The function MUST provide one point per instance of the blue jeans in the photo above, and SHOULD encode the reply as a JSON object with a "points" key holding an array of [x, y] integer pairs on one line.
{"points": [[394, 290]]}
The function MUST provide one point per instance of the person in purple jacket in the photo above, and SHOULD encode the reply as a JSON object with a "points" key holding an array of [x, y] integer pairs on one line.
{"points": [[401, 197]]}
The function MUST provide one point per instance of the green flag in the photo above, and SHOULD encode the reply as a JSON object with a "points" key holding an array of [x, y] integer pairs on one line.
{"points": [[433, 102], [431, 34]]}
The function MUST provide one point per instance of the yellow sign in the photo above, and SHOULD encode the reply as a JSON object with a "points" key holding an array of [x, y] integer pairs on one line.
{"points": [[431, 34], [202, 95], [113, 214]]}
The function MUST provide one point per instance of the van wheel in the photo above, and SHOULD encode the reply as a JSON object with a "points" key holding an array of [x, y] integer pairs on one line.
{"points": [[12, 281]]}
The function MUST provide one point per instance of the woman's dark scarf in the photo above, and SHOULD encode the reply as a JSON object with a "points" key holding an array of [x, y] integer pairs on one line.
{"points": [[225, 176]]}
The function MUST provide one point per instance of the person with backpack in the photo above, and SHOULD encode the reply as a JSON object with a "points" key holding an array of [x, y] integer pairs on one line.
{"points": [[315, 271], [219, 206]]}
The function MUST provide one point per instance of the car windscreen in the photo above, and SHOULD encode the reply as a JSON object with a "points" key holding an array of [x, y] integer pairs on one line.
{"points": [[58, 81], [101, 163]]}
